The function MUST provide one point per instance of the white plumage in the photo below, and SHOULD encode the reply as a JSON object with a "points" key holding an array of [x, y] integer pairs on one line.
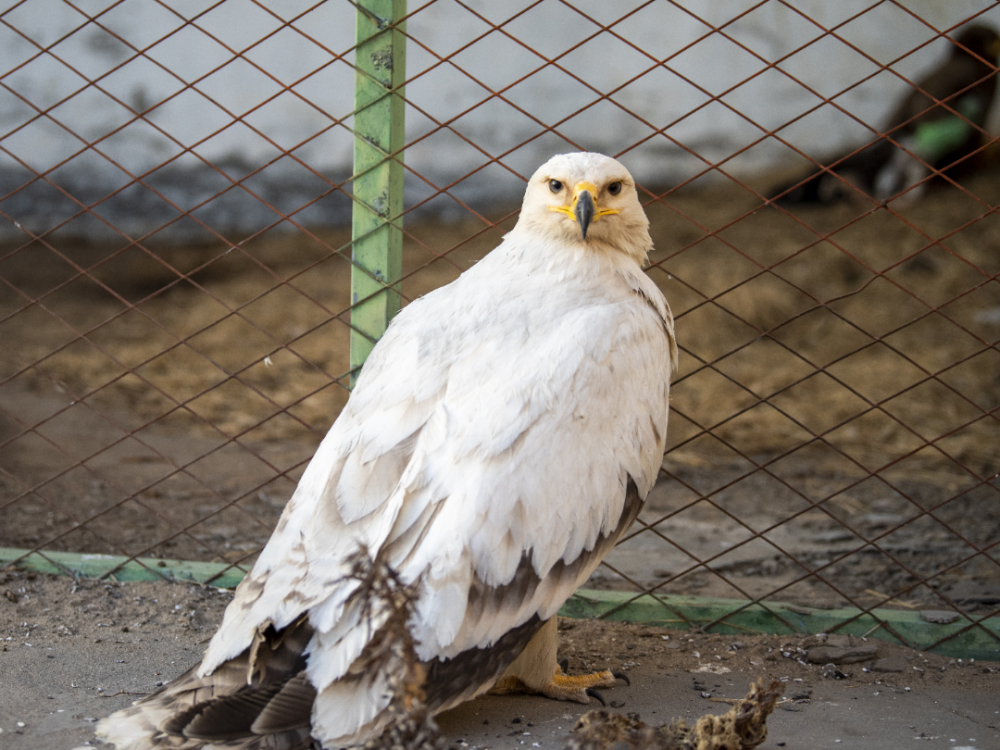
{"points": [[499, 440]]}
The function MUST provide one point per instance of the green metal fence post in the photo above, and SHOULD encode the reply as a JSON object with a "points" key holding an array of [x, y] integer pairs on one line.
{"points": [[378, 173]]}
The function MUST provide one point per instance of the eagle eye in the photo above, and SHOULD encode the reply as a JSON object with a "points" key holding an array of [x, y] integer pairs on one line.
{"points": [[555, 186], [614, 188]]}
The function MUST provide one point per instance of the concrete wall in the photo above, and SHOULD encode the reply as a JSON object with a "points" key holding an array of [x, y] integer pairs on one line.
{"points": [[49, 114]]}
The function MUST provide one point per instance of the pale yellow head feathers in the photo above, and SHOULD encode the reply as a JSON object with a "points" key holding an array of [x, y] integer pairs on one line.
{"points": [[589, 199]]}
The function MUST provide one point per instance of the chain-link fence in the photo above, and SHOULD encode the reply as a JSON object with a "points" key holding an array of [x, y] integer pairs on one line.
{"points": [[175, 298]]}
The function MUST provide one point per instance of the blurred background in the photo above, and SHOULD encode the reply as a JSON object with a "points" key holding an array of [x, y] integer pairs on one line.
{"points": [[195, 95], [175, 255]]}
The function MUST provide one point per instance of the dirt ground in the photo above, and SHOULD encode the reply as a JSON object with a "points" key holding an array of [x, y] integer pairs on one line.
{"points": [[72, 651], [164, 403]]}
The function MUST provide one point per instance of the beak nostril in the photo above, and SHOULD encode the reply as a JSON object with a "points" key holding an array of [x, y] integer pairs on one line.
{"points": [[584, 210]]}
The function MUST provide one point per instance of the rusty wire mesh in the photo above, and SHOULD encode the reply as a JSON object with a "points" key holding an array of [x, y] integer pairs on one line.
{"points": [[175, 301]]}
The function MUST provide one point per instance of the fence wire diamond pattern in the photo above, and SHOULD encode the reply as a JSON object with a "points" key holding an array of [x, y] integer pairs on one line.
{"points": [[176, 191]]}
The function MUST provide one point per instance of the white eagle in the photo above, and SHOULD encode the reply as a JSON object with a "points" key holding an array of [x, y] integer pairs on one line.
{"points": [[501, 438]]}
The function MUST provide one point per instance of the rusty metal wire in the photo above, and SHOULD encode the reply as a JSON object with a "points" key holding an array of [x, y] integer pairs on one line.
{"points": [[131, 424]]}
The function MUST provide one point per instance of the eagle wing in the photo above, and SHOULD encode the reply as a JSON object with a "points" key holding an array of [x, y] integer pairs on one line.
{"points": [[498, 442]]}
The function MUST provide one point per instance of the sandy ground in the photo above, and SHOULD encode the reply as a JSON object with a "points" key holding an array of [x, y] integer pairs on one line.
{"points": [[73, 651]]}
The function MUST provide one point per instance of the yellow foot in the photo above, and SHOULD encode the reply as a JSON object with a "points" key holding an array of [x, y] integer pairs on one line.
{"points": [[579, 688]]}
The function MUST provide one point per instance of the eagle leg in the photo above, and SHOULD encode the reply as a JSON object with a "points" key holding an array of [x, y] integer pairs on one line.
{"points": [[536, 672], [561, 687]]}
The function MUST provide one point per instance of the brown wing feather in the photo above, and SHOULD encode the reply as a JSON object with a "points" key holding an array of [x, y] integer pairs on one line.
{"points": [[453, 680], [286, 710], [229, 717], [262, 697]]}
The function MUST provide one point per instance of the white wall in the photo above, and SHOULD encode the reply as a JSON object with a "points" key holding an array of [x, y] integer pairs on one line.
{"points": [[173, 81]]}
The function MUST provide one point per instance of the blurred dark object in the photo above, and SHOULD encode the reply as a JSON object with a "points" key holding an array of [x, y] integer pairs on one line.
{"points": [[935, 129]]}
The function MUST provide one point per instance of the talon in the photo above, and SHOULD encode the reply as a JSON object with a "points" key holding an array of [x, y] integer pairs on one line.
{"points": [[594, 694], [564, 665], [622, 676]]}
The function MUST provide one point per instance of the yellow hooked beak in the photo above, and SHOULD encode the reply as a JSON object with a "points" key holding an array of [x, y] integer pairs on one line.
{"points": [[584, 207]]}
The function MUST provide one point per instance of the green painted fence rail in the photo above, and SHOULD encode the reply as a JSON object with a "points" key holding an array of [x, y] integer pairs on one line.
{"points": [[735, 617], [731, 616], [377, 250], [122, 568]]}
